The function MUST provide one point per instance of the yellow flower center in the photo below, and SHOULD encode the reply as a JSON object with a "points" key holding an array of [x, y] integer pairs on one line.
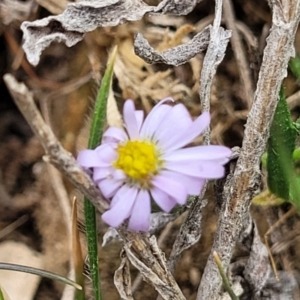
{"points": [[138, 159]]}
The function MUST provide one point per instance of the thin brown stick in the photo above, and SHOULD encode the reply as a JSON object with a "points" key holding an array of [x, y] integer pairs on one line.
{"points": [[279, 222], [55, 153], [240, 189], [239, 52]]}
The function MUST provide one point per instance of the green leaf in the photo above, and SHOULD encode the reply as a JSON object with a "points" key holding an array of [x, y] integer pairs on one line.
{"points": [[98, 122], [280, 150]]}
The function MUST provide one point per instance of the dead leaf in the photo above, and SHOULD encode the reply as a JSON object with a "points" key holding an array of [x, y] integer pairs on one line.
{"points": [[122, 279]]}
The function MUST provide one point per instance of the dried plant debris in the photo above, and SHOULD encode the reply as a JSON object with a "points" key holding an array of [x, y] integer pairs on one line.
{"points": [[177, 7], [150, 261], [79, 18], [282, 289], [175, 56], [257, 270], [122, 279], [190, 232]]}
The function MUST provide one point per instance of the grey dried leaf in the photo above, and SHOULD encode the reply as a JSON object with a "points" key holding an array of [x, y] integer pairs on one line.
{"points": [[146, 256], [257, 270], [160, 220], [174, 56], [78, 18], [110, 235], [177, 7], [122, 279]]}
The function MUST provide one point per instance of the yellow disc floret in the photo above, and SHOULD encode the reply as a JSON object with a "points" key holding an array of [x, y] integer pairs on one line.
{"points": [[139, 160]]}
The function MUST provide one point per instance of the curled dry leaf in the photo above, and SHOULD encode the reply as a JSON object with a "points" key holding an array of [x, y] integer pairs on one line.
{"points": [[85, 16], [175, 56], [122, 279]]}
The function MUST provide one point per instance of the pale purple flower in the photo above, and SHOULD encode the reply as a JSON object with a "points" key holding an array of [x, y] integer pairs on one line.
{"points": [[147, 161]]}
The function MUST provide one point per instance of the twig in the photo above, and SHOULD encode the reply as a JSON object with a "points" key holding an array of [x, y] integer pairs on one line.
{"points": [[239, 191], [13, 226], [56, 154], [239, 52]]}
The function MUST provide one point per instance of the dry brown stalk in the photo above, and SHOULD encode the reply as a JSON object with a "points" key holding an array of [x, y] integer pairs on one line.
{"points": [[239, 189]]}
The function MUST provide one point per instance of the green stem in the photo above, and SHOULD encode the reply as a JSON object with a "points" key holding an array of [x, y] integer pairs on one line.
{"points": [[225, 280], [98, 121], [35, 271]]}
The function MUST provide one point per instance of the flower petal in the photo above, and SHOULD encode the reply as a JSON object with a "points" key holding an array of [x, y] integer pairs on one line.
{"points": [[130, 119], [172, 188], [175, 122], [193, 185], [139, 115], [212, 170], [154, 118], [190, 133], [107, 153], [210, 152], [117, 213], [165, 202], [122, 194], [101, 173], [118, 174], [114, 134], [184, 168], [89, 159], [140, 215], [109, 186], [202, 169]]}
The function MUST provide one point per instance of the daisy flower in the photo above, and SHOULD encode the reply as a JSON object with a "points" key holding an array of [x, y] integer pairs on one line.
{"points": [[147, 161]]}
